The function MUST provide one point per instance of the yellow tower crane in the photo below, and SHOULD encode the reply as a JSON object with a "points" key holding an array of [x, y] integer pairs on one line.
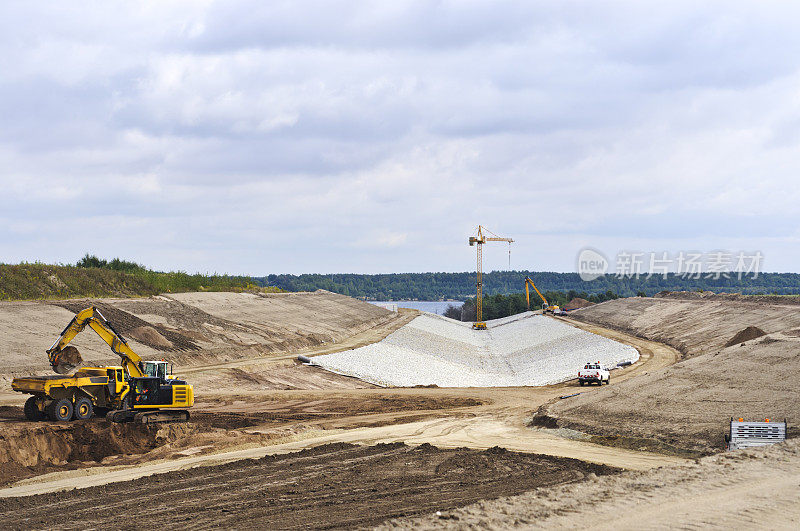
{"points": [[479, 240]]}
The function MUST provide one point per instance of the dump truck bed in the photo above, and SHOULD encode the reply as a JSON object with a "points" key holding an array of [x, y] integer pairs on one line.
{"points": [[47, 384]]}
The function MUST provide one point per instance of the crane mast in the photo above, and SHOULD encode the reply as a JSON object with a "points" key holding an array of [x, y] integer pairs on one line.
{"points": [[478, 241]]}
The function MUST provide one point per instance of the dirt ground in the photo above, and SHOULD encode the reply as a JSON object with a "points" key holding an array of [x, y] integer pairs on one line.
{"points": [[236, 461], [688, 405], [693, 323], [336, 485], [29, 449], [747, 489]]}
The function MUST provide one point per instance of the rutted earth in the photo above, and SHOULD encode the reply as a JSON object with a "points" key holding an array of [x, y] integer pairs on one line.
{"points": [[33, 448], [257, 407], [747, 489], [334, 485]]}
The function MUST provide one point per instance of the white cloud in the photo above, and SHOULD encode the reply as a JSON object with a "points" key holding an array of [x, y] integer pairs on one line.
{"points": [[350, 136]]}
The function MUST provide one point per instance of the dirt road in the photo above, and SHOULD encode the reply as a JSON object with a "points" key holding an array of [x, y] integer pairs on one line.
{"points": [[477, 433]]}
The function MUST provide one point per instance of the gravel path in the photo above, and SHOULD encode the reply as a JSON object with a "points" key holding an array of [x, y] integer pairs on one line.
{"points": [[525, 349]]}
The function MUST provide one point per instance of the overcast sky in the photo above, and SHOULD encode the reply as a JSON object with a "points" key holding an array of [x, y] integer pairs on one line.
{"points": [[290, 137]]}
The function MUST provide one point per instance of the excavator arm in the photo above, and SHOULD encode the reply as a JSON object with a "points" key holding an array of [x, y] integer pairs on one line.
{"points": [[63, 361], [527, 293]]}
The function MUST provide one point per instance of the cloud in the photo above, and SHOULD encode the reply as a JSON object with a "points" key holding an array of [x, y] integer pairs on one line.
{"points": [[256, 137]]}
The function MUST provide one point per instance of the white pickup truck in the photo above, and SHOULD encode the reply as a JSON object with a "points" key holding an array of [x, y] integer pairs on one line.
{"points": [[594, 373]]}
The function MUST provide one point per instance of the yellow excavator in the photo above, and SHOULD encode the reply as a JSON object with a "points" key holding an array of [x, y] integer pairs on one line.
{"points": [[546, 306], [137, 390]]}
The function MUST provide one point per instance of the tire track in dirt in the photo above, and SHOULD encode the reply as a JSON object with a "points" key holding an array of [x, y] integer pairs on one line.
{"points": [[337, 485]]}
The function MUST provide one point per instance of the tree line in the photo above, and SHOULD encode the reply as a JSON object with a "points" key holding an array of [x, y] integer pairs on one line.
{"points": [[461, 286], [499, 305]]}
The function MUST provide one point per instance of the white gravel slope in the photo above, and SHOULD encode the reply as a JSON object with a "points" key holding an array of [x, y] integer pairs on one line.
{"points": [[524, 349]]}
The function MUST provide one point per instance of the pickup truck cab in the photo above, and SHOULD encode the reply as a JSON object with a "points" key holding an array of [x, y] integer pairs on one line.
{"points": [[594, 373]]}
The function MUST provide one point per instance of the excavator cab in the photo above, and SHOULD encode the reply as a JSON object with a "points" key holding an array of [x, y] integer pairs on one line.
{"points": [[155, 369]]}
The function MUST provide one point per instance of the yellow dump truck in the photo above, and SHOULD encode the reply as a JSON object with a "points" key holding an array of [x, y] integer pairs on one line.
{"points": [[136, 390]]}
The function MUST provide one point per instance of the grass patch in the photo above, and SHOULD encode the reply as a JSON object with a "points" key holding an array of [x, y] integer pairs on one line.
{"points": [[92, 277]]}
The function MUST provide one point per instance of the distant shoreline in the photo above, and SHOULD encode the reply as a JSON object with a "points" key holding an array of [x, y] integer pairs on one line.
{"points": [[437, 307]]}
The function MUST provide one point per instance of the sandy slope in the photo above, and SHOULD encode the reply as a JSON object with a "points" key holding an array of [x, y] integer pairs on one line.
{"points": [[240, 327], [692, 323], [690, 403]]}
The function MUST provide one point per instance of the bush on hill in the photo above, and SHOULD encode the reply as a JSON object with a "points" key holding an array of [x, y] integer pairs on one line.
{"points": [[95, 277]]}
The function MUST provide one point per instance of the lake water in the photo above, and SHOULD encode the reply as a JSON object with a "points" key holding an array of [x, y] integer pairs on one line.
{"points": [[437, 307]]}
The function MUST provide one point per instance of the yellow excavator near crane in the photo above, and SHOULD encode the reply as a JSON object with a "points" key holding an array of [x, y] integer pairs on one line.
{"points": [[478, 241], [546, 306], [137, 390]]}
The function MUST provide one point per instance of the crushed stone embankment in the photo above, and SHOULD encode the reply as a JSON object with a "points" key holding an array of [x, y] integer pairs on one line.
{"points": [[521, 350]]}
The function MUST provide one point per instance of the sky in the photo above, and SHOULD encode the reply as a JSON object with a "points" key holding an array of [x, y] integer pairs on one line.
{"points": [[373, 137]]}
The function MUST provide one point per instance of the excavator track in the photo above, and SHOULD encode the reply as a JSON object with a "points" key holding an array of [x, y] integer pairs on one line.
{"points": [[161, 417], [148, 417]]}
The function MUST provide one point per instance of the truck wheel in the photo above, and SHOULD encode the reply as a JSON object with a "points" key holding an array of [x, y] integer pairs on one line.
{"points": [[60, 410], [83, 408], [32, 410], [581, 382]]}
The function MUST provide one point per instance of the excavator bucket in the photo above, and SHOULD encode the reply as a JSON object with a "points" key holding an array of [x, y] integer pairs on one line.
{"points": [[66, 360]]}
